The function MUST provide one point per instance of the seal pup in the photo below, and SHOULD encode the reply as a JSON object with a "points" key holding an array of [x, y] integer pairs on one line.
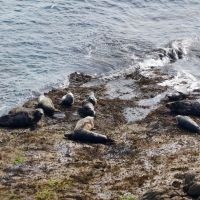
{"points": [[86, 123], [21, 118], [47, 105], [87, 109], [185, 107], [86, 136], [187, 123], [67, 100]]}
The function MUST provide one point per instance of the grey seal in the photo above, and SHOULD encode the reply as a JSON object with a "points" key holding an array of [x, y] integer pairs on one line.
{"points": [[87, 109], [86, 123], [47, 105], [92, 99], [176, 96], [185, 107], [86, 136], [187, 123], [22, 118], [67, 100]]}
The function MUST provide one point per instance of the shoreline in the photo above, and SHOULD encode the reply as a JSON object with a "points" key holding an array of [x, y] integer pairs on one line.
{"points": [[149, 153]]}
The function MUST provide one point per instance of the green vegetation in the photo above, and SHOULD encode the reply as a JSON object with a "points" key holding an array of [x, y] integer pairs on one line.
{"points": [[52, 182], [46, 194], [50, 189], [19, 159], [13, 196], [127, 197]]}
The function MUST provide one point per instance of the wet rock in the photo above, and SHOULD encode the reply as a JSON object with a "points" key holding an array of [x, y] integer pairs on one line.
{"points": [[153, 195], [78, 78], [6, 180], [185, 107], [176, 184], [15, 169], [187, 123]]}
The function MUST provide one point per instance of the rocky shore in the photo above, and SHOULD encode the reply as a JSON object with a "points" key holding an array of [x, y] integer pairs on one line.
{"points": [[151, 159]]}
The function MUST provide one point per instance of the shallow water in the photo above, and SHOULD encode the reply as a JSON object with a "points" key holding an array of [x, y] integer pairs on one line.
{"points": [[41, 42]]}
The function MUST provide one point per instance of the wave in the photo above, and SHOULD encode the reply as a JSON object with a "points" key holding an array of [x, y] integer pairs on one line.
{"points": [[158, 59]]}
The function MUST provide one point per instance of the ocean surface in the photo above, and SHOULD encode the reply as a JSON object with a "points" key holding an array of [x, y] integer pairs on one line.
{"points": [[43, 41]]}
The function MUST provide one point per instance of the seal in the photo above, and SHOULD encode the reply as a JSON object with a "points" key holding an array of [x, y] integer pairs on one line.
{"points": [[86, 136], [185, 107], [22, 118], [187, 123], [67, 100], [47, 105], [86, 123], [176, 96], [92, 99], [87, 109]]}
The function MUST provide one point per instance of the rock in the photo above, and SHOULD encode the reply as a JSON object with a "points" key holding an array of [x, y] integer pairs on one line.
{"points": [[78, 78], [153, 195]]}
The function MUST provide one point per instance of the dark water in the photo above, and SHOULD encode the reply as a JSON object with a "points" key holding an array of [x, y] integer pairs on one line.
{"points": [[41, 42]]}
